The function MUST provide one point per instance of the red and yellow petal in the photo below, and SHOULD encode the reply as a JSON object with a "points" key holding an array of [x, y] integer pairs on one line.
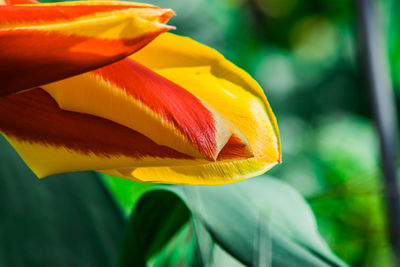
{"points": [[48, 42], [51, 140], [228, 89], [231, 92], [138, 98]]}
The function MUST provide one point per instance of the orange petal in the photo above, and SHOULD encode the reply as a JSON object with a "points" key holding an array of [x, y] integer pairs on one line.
{"points": [[48, 42]]}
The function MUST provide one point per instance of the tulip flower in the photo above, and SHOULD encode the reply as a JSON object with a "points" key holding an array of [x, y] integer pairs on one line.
{"points": [[174, 111]]}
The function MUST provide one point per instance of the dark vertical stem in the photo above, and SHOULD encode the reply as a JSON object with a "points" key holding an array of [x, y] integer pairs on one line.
{"points": [[382, 100]]}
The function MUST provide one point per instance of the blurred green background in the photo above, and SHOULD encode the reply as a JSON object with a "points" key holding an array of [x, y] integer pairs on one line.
{"points": [[304, 54]]}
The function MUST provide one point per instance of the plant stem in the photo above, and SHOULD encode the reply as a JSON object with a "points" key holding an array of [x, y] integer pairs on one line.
{"points": [[382, 100]]}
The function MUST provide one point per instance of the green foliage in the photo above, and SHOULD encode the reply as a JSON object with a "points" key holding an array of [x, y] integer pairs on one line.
{"points": [[258, 221], [347, 149], [64, 220], [125, 192]]}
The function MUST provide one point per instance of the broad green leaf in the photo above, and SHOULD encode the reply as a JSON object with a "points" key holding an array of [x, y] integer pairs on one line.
{"points": [[125, 192], [260, 222], [183, 250], [62, 220], [179, 251]]}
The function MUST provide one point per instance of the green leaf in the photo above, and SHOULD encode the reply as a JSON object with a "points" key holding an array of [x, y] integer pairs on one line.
{"points": [[260, 222], [183, 250], [180, 250], [62, 220], [125, 192]]}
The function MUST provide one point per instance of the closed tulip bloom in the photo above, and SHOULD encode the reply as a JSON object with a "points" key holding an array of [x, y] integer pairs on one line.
{"points": [[175, 111]]}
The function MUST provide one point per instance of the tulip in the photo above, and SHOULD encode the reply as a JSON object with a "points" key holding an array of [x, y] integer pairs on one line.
{"points": [[175, 111]]}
